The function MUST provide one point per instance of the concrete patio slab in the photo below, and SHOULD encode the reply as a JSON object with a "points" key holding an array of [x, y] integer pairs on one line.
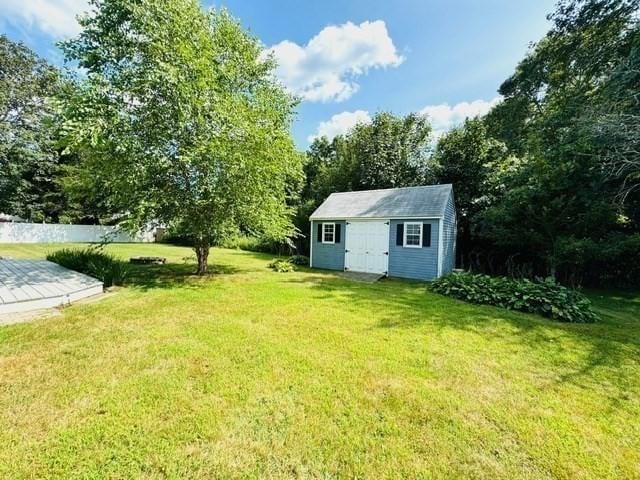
{"points": [[35, 284]]}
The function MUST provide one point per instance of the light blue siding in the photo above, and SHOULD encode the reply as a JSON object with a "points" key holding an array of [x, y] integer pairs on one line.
{"points": [[415, 263], [327, 255], [449, 237]]}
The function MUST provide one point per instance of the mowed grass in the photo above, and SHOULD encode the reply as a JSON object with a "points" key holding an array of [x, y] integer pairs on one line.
{"points": [[250, 373]]}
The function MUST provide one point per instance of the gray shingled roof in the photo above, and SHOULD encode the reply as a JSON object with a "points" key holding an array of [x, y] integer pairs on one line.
{"points": [[426, 201]]}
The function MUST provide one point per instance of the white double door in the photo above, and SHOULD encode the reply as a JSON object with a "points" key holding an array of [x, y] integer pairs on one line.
{"points": [[367, 246]]}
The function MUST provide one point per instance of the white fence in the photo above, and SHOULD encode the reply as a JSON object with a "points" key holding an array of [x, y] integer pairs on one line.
{"points": [[60, 233]]}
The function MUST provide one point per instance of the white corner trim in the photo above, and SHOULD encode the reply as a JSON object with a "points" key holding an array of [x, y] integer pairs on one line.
{"points": [[440, 247], [311, 245]]}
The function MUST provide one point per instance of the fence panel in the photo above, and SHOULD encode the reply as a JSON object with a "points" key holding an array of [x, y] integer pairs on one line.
{"points": [[61, 233]]}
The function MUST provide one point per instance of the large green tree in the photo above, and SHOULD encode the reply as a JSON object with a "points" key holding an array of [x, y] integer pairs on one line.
{"points": [[570, 110], [589, 52], [184, 120], [574, 98], [29, 154], [473, 162], [390, 151]]}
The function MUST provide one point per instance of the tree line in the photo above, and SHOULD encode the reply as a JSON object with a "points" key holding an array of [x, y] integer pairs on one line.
{"points": [[548, 182], [170, 115], [176, 118]]}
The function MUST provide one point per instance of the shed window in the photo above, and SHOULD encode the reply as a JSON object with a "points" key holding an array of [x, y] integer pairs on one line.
{"points": [[328, 232], [413, 235]]}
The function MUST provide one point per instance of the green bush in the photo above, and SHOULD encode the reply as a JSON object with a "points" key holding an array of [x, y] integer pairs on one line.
{"points": [[242, 242], [175, 238], [238, 242], [255, 244], [612, 261], [282, 266], [100, 265], [546, 297], [299, 260]]}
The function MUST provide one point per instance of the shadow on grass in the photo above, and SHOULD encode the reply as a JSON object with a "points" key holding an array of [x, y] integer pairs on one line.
{"points": [[172, 275], [611, 343]]}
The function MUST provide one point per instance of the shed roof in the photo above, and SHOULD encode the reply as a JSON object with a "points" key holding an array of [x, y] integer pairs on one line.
{"points": [[418, 202]]}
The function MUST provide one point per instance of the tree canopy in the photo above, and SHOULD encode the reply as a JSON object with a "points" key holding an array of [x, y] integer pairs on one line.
{"points": [[184, 120], [176, 118], [569, 113], [29, 157], [390, 151], [472, 161], [548, 183]]}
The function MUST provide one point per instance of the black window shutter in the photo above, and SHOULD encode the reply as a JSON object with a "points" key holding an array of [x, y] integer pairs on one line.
{"points": [[320, 232], [400, 234], [337, 235], [426, 234]]}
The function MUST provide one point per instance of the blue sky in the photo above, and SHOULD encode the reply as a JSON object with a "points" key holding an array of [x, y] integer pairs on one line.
{"points": [[349, 59]]}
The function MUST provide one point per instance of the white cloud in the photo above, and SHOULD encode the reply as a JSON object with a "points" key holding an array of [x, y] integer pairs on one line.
{"points": [[326, 68], [340, 124], [56, 18], [443, 117]]}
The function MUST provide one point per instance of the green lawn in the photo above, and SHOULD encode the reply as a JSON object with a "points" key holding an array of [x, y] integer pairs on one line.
{"points": [[250, 374]]}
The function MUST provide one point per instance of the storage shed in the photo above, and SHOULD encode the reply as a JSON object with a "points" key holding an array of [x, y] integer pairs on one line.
{"points": [[398, 232]]}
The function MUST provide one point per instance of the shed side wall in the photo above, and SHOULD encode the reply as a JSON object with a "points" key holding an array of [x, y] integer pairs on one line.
{"points": [[449, 237], [326, 255], [413, 263]]}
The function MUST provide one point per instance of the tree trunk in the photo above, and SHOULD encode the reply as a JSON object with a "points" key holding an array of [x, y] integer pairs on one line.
{"points": [[552, 271], [202, 252], [552, 260]]}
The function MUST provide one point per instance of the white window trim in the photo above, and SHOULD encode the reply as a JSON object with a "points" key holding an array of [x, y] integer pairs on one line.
{"points": [[334, 233], [404, 241]]}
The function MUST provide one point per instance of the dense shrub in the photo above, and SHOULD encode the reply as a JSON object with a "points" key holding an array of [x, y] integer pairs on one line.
{"points": [[175, 238], [612, 261], [239, 242], [546, 297], [242, 242], [94, 263], [299, 260], [255, 244], [282, 266]]}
